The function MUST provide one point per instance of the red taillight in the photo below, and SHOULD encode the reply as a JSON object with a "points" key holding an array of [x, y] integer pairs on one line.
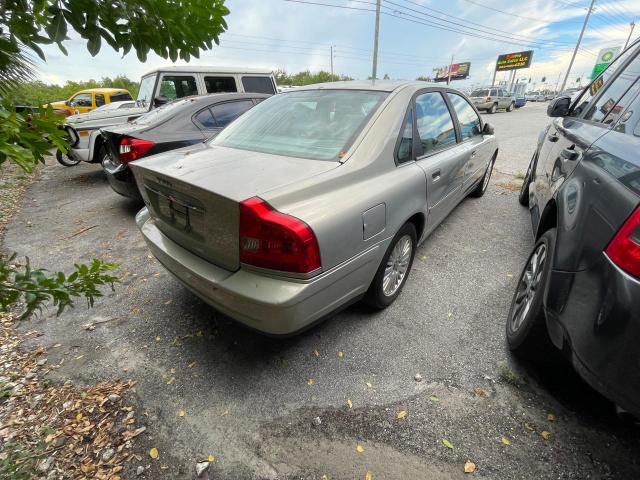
{"points": [[133, 148], [488, 99], [624, 249], [273, 240]]}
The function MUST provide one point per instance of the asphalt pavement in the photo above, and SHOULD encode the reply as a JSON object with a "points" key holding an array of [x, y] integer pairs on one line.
{"points": [[298, 408]]}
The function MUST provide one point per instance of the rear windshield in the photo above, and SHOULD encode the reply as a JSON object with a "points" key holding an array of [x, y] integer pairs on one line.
{"points": [[313, 124], [163, 112], [121, 97], [480, 93]]}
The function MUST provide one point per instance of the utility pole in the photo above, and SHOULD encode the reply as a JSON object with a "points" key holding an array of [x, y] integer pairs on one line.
{"points": [[632, 24], [449, 72], [575, 51], [332, 60], [374, 68]]}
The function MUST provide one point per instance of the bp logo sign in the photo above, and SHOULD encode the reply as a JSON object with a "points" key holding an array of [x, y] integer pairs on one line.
{"points": [[605, 57]]}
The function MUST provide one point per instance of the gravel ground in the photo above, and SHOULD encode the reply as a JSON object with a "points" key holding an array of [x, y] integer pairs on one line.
{"points": [[248, 399]]}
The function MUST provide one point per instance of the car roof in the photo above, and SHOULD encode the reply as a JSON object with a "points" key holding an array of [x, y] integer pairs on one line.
{"points": [[375, 85], [103, 90], [209, 69], [200, 101]]}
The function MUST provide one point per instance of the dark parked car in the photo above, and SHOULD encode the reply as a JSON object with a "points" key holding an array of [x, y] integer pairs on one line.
{"points": [[178, 124], [579, 291]]}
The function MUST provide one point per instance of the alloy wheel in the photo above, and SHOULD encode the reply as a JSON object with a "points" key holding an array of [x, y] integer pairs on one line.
{"points": [[528, 287], [487, 176], [397, 266]]}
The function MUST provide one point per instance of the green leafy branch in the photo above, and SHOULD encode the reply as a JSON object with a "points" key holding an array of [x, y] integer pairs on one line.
{"points": [[35, 287]]}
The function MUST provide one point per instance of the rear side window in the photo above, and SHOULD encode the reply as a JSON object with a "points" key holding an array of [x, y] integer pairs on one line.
{"points": [[608, 107], [99, 100], [405, 149], [178, 86], [480, 93], [258, 85], [226, 113], [467, 116], [220, 84], [121, 97], [205, 118], [435, 126]]}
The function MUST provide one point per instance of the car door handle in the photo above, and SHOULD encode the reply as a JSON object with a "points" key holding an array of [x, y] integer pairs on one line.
{"points": [[570, 153], [473, 154], [436, 175], [553, 137]]}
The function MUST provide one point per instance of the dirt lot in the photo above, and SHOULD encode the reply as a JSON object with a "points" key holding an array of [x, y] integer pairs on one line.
{"points": [[298, 408]]}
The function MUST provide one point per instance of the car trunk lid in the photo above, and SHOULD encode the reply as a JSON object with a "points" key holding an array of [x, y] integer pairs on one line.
{"points": [[194, 194]]}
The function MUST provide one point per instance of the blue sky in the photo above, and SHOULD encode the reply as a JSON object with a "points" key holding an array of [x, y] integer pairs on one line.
{"points": [[298, 36]]}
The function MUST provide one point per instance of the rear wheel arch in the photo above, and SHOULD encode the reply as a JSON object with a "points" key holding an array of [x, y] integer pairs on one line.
{"points": [[97, 146], [418, 221], [548, 219]]}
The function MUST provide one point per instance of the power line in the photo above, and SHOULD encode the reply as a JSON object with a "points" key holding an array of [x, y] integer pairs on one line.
{"points": [[483, 29], [511, 14]]}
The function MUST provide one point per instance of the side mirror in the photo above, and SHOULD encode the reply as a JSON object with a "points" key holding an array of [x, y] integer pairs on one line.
{"points": [[559, 106], [487, 129], [67, 103], [160, 101]]}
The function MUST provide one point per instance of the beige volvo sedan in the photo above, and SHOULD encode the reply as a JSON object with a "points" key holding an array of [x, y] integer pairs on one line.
{"points": [[314, 199]]}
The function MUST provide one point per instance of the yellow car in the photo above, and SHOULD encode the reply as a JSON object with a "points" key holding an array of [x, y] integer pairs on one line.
{"points": [[86, 100]]}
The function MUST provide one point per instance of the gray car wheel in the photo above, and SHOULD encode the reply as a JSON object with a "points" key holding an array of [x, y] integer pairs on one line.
{"points": [[493, 108], [394, 269], [484, 183], [527, 333], [511, 106]]}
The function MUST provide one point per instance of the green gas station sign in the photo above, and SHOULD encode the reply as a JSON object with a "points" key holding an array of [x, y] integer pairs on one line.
{"points": [[605, 57]]}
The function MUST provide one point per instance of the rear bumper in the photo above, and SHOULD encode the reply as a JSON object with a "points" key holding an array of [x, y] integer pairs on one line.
{"points": [[270, 304], [121, 179], [599, 311], [483, 106]]}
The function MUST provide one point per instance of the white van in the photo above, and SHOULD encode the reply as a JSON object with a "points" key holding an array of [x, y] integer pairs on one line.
{"points": [[157, 88]]}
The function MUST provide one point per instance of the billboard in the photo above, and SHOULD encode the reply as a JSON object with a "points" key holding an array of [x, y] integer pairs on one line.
{"points": [[605, 57], [514, 61], [459, 71]]}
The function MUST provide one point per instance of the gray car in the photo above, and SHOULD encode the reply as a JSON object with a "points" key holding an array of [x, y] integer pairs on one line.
{"points": [[491, 99], [314, 199]]}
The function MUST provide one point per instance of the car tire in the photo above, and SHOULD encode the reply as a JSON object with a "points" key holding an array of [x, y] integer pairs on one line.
{"points": [[526, 330], [381, 293], [523, 197], [511, 107], [63, 159], [480, 190], [493, 108]]}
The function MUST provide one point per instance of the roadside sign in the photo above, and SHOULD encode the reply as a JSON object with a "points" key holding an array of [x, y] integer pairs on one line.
{"points": [[514, 61], [605, 57], [459, 71]]}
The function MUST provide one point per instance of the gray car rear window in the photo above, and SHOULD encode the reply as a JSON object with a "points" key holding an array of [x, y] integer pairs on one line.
{"points": [[313, 124], [480, 93]]}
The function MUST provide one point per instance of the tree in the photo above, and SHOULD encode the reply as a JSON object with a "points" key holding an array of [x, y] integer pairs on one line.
{"points": [[424, 78], [170, 28], [307, 78]]}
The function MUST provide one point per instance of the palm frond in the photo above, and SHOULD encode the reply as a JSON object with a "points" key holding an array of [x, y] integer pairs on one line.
{"points": [[16, 66]]}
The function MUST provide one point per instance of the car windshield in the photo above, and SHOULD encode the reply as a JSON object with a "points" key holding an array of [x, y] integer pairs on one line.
{"points": [[146, 89], [480, 93], [313, 124], [161, 113]]}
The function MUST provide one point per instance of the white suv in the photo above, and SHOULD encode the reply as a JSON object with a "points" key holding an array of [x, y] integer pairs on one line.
{"points": [[157, 88]]}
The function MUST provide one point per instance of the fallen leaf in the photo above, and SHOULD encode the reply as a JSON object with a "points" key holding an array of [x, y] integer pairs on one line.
{"points": [[551, 417], [505, 441], [324, 477], [349, 403], [449, 314], [167, 302], [193, 364], [172, 370], [480, 393], [310, 381], [545, 435], [211, 458], [79, 417], [316, 353], [369, 385], [528, 427], [368, 476], [181, 413], [157, 339], [340, 354], [171, 380], [469, 467], [199, 333], [433, 398], [359, 448], [447, 443], [402, 414], [153, 453]]}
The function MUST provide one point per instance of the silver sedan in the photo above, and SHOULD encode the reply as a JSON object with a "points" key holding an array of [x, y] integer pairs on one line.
{"points": [[314, 199]]}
